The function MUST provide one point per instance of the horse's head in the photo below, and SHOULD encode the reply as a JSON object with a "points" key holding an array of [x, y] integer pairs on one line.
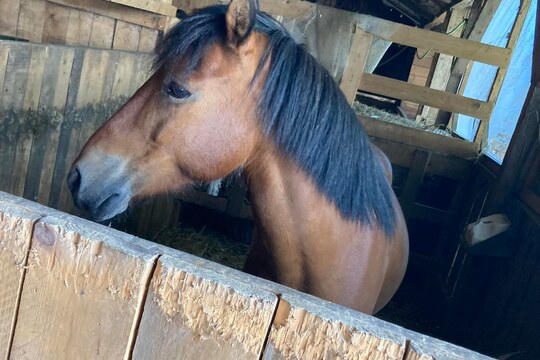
{"points": [[193, 120]]}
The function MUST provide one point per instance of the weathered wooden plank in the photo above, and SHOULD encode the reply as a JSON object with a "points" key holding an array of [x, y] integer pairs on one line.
{"points": [[117, 11], [151, 6], [126, 36], [31, 20], [123, 75], [442, 165], [442, 100], [422, 139], [61, 82], [205, 314], [28, 119], [436, 42], [16, 226], [4, 52], [81, 292], [358, 56], [102, 33], [89, 95], [70, 125], [79, 27], [309, 328], [10, 15], [147, 40], [11, 104], [56, 22]]}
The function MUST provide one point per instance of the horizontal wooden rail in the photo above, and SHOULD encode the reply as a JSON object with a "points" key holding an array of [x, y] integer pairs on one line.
{"points": [[437, 42], [151, 6], [419, 94]]}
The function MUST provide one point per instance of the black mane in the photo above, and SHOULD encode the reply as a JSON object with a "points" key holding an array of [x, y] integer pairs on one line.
{"points": [[303, 111]]}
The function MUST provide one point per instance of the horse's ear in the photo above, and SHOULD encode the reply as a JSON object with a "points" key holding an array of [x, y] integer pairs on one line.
{"points": [[240, 19]]}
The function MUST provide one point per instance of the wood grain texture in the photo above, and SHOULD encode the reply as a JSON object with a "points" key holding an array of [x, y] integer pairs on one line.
{"points": [[419, 94], [357, 60], [31, 20], [147, 40], [56, 23], [10, 16], [117, 11], [81, 291], [28, 125], [437, 42], [206, 315], [79, 27], [126, 36], [16, 226], [102, 33]]}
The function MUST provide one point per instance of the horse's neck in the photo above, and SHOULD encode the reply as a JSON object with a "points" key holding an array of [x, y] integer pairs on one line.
{"points": [[292, 217]]}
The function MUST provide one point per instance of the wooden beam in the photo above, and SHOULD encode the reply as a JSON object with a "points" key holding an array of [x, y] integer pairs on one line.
{"points": [[117, 11], [436, 42], [422, 139], [358, 56], [290, 9], [16, 224], [84, 283], [150, 6], [419, 94], [206, 315]]}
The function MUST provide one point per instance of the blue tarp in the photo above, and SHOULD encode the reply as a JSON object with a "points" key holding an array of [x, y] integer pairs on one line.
{"points": [[516, 83]]}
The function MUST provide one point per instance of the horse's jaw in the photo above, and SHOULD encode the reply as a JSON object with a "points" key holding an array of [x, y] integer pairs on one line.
{"points": [[100, 187]]}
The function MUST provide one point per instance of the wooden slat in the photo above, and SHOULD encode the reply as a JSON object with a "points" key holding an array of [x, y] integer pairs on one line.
{"points": [[290, 9], [79, 27], [147, 40], [16, 225], [62, 81], [151, 6], [81, 292], [56, 23], [442, 100], [4, 53], [206, 315], [436, 42], [422, 139], [126, 36], [11, 103], [31, 20], [102, 33], [28, 119], [309, 328], [355, 66], [10, 16], [117, 11]]}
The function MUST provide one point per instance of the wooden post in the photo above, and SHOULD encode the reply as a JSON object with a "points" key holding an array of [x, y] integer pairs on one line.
{"points": [[358, 55]]}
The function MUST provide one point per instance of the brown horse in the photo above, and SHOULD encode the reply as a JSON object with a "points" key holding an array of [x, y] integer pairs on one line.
{"points": [[232, 90]]}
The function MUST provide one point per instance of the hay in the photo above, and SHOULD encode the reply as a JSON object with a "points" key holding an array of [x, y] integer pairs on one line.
{"points": [[377, 114], [206, 244]]}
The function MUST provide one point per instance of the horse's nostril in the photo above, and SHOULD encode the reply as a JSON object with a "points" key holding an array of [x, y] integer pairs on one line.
{"points": [[74, 180]]}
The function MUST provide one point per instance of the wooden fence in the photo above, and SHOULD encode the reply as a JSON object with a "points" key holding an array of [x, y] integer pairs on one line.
{"points": [[133, 25], [72, 289]]}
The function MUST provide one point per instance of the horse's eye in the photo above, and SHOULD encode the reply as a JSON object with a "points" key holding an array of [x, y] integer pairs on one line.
{"points": [[177, 91]]}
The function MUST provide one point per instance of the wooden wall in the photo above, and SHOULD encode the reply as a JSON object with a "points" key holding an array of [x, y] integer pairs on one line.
{"points": [[111, 24], [53, 98], [72, 289]]}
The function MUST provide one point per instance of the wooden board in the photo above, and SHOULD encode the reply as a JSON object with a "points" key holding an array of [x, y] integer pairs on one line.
{"points": [[117, 11], [102, 32], [10, 15], [79, 27], [16, 225], [31, 20], [357, 60], [436, 42], [126, 36], [150, 6], [442, 100], [206, 315], [56, 23], [81, 292]]}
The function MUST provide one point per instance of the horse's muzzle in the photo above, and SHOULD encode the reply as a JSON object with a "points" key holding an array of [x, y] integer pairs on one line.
{"points": [[99, 187]]}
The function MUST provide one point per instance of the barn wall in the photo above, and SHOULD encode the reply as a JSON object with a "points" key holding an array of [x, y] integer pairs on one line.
{"points": [[98, 24]]}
